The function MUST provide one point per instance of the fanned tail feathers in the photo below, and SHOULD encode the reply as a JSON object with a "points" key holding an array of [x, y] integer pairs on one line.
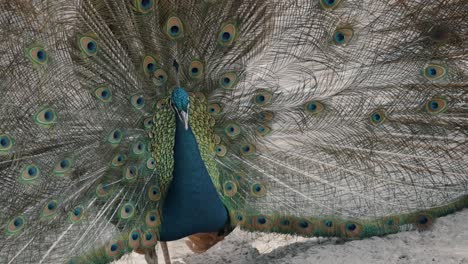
{"points": [[319, 118]]}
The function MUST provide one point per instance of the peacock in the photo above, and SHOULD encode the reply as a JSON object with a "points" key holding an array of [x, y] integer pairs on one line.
{"points": [[124, 123]]}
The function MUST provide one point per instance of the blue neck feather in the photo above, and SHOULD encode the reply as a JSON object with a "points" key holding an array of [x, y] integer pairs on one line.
{"points": [[192, 204]]}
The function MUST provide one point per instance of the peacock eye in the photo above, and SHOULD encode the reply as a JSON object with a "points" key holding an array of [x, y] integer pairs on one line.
{"points": [[221, 150], [6, 143], [262, 97], [161, 76], [232, 130], [263, 130], [343, 36], [38, 55], [15, 226], [314, 107], [149, 236], [115, 137], [143, 6], [378, 117], [196, 69], [88, 45], [228, 80], [127, 211], [149, 65], [215, 109], [103, 94], [174, 28], [137, 102], [436, 105], [227, 35], [77, 211], [154, 194], [434, 72], [329, 4], [46, 117], [258, 190]]}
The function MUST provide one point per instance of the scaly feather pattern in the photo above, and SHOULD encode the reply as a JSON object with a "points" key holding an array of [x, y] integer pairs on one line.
{"points": [[124, 123]]}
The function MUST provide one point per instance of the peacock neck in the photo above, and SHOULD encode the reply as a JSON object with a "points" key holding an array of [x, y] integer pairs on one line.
{"points": [[192, 204]]}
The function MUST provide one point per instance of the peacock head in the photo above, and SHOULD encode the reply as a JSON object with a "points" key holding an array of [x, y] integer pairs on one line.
{"points": [[181, 102]]}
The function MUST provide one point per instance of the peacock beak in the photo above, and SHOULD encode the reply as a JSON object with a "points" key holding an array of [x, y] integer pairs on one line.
{"points": [[183, 116]]}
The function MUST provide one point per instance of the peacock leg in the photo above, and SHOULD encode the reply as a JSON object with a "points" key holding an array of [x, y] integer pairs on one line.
{"points": [[165, 249], [150, 256]]}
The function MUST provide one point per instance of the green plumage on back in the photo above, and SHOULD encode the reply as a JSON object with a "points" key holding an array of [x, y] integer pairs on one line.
{"points": [[314, 118]]}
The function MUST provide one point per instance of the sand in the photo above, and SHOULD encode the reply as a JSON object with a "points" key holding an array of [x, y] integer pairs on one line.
{"points": [[446, 242]]}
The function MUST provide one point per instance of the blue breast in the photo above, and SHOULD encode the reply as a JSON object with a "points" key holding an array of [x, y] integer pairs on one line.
{"points": [[192, 204]]}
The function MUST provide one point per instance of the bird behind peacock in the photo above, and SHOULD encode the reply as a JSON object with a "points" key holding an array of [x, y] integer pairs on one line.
{"points": [[128, 122]]}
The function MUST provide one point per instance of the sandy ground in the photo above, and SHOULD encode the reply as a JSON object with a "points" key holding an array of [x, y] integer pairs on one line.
{"points": [[445, 243]]}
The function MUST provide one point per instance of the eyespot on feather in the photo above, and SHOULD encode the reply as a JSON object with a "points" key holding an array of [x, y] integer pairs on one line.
{"points": [[351, 229], [150, 164], [329, 5], [215, 109], [119, 160], [115, 248], [130, 173], [30, 173], [174, 28], [103, 93], [138, 148], [50, 209], [248, 150], [134, 239], [434, 72], [285, 224], [152, 219], [313, 107], [76, 214], [436, 105], [154, 194], [262, 97], [138, 102], [230, 188], [160, 77], [265, 116], [103, 190], [38, 55], [149, 239], [127, 211], [115, 137], [46, 117], [261, 222], [263, 130], [303, 227], [63, 167], [149, 65], [88, 45], [258, 190], [15, 225], [237, 218], [232, 130], [6, 143], [378, 117], [423, 221], [228, 80], [220, 150], [148, 123], [227, 35], [343, 36], [197, 69], [143, 6]]}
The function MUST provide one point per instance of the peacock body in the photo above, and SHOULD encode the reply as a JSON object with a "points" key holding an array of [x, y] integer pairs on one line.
{"points": [[125, 123]]}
